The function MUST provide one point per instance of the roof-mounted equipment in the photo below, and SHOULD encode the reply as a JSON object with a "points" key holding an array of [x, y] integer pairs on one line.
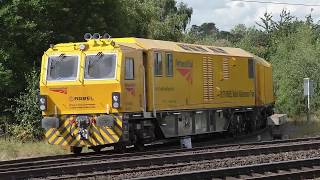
{"points": [[87, 36]]}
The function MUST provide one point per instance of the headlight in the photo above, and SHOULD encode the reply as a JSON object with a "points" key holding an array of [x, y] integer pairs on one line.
{"points": [[43, 102], [82, 47], [42, 107], [116, 100]]}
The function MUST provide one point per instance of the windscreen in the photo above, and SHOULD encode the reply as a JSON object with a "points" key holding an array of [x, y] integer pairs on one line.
{"points": [[100, 66], [63, 67]]}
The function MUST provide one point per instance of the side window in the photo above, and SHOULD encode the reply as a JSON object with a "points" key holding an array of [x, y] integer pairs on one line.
{"points": [[169, 63], [250, 68], [157, 64], [129, 69]]}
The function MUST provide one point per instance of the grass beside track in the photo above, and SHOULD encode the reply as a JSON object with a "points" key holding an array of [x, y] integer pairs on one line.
{"points": [[302, 128], [13, 149]]}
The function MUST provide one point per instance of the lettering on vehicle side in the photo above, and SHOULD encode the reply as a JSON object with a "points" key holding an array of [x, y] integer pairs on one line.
{"points": [[82, 106], [165, 88], [81, 98], [232, 94]]}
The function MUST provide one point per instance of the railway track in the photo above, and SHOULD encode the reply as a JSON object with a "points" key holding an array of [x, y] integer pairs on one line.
{"points": [[116, 164], [296, 169], [164, 146]]}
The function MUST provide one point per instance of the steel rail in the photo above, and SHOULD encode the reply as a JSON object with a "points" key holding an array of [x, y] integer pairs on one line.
{"points": [[294, 169], [65, 159], [153, 148], [146, 161]]}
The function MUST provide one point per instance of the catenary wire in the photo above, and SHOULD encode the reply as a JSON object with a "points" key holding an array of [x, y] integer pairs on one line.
{"points": [[279, 3]]}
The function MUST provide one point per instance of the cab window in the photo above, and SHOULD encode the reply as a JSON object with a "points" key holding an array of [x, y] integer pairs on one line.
{"points": [[63, 67], [157, 64], [169, 64], [100, 66], [250, 68], [129, 66]]}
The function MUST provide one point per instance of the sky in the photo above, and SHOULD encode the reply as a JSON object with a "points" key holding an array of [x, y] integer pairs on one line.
{"points": [[227, 13]]}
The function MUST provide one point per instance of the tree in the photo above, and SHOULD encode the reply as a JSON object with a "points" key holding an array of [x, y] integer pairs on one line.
{"points": [[164, 19], [205, 29], [252, 40], [296, 57], [208, 34], [29, 27]]}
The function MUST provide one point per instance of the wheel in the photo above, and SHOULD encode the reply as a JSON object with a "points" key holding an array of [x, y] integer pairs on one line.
{"points": [[232, 127], [139, 146], [119, 147], [96, 148], [75, 150]]}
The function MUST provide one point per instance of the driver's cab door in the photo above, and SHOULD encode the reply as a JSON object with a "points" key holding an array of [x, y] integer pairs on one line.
{"points": [[133, 76]]}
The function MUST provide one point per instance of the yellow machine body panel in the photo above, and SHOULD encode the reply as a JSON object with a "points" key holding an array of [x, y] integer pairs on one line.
{"points": [[264, 83], [201, 81]]}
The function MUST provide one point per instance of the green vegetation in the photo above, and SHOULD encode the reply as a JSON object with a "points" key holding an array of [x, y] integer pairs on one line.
{"points": [[291, 45], [12, 149], [29, 27]]}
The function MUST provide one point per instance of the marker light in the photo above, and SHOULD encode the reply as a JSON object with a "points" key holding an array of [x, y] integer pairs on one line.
{"points": [[42, 107], [115, 105], [43, 102], [82, 47], [116, 100]]}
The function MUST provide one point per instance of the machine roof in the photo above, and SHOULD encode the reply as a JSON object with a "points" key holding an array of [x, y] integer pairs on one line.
{"points": [[149, 44]]}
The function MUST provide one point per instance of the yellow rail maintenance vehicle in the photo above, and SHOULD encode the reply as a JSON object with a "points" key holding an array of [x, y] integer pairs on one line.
{"points": [[131, 91]]}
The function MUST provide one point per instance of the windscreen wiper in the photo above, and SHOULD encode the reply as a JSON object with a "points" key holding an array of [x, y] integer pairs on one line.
{"points": [[96, 59], [59, 59], [54, 63]]}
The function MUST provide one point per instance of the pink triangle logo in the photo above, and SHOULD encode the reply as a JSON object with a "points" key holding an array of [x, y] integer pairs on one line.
{"points": [[186, 72]]}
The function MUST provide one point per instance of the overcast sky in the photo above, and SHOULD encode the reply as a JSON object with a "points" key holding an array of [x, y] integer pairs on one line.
{"points": [[226, 13]]}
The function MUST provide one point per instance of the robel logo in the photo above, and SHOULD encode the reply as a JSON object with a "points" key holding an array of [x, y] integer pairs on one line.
{"points": [[185, 69], [81, 98]]}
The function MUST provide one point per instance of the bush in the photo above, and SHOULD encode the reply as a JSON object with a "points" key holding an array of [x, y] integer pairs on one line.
{"points": [[27, 114], [22, 132], [296, 57]]}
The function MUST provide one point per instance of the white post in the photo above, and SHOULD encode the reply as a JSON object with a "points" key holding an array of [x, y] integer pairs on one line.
{"points": [[307, 92]]}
